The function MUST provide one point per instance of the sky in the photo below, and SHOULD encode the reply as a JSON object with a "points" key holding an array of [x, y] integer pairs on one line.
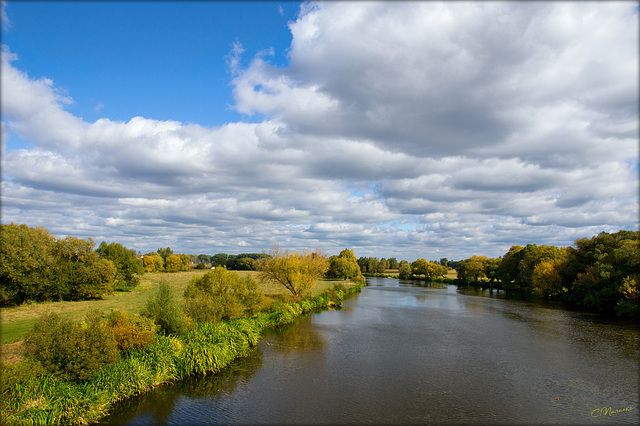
{"points": [[408, 130]]}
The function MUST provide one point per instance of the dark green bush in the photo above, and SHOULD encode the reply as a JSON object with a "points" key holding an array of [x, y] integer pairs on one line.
{"points": [[164, 312], [76, 351]]}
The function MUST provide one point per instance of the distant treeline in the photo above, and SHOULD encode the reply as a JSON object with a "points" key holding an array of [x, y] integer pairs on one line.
{"points": [[238, 262], [600, 274]]}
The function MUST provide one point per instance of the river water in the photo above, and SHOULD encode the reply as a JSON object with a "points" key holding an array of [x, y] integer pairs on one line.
{"points": [[401, 353]]}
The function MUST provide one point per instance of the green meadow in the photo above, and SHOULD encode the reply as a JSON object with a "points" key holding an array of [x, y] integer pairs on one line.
{"points": [[18, 320]]}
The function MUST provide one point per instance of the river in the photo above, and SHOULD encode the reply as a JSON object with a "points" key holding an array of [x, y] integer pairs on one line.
{"points": [[401, 353]]}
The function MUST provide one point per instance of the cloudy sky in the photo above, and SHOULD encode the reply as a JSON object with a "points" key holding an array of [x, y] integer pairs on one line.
{"points": [[406, 130]]}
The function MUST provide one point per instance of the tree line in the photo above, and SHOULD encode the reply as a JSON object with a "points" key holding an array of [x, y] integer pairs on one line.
{"points": [[238, 262], [35, 266], [599, 274]]}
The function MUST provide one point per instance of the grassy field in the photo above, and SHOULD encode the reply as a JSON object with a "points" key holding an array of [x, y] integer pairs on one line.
{"points": [[17, 321]]}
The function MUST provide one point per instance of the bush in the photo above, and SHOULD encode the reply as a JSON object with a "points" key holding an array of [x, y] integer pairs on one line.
{"points": [[221, 295], [131, 332], [76, 351], [164, 312]]}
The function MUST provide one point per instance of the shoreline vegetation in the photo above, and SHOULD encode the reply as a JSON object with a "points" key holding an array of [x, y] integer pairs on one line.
{"points": [[87, 328], [31, 395], [84, 328]]}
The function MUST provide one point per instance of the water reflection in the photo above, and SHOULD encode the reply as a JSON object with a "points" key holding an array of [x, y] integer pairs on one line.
{"points": [[157, 406], [298, 336], [402, 353]]}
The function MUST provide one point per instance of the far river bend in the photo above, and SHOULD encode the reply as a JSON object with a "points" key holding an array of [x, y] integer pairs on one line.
{"points": [[400, 353]]}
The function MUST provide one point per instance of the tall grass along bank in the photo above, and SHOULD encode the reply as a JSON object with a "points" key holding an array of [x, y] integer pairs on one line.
{"points": [[29, 394]]}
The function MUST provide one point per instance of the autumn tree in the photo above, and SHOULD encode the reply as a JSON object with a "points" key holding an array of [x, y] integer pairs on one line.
{"points": [[297, 272], [508, 270], [602, 271], [420, 267], [472, 269], [175, 263], [153, 262]]}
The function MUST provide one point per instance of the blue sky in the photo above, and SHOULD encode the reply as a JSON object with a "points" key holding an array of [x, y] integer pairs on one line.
{"points": [[152, 59], [417, 129]]}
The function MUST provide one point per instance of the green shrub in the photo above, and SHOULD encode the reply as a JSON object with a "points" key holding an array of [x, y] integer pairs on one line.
{"points": [[220, 295], [164, 312], [131, 332], [76, 351], [336, 294]]}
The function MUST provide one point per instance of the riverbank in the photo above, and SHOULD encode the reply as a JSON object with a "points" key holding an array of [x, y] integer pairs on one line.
{"points": [[18, 320], [30, 396]]}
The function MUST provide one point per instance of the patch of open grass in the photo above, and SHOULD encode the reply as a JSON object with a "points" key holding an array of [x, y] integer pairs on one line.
{"points": [[18, 320]]}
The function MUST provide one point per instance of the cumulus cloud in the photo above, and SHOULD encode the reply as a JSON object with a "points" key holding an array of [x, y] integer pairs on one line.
{"points": [[397, 129]]}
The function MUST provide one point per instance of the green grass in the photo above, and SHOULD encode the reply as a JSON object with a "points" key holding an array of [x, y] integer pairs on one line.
{"points": [[18, 320], [33, 396]]}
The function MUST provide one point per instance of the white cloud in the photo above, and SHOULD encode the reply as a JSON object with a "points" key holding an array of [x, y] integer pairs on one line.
{"points": [[234, 57], [397, 129], [6, 23]]}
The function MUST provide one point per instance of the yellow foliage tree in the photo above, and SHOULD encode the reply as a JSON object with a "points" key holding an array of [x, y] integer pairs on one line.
{"points": [[297, 272]]}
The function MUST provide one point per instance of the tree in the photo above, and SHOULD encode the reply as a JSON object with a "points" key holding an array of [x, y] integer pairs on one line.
{"points": [[186, 261], [532, 255], [420, 267], [128, 266], [26, 263], [164, 254], [344, 266], [174, 263], [297, 272], [220, 259], [245, 264], [153, 262], [36, 266], [383, 265], [508, 270], [491, 268], [404, 271], [393, 263], [439, 270], [81, 274], [348, 255], [472, 269], [597, 268], [629, 303]]}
